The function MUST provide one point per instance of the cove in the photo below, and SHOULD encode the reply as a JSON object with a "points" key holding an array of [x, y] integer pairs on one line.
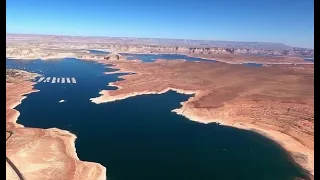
{"points": [[98, 52], [154, 57], [139, 137]]}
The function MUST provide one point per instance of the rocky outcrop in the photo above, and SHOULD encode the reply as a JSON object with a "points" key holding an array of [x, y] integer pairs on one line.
{"points": [[113, 56]]}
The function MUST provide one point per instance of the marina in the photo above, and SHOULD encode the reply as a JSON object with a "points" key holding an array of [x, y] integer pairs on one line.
{"points": [[47, 79], [57, 80]]}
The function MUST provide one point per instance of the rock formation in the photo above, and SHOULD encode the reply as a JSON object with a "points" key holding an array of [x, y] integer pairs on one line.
{"points": [[112, 56]]}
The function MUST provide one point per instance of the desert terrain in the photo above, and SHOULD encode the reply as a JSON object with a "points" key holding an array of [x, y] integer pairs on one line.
{"points": [[276, 100], [55, 47], [40, 153]]}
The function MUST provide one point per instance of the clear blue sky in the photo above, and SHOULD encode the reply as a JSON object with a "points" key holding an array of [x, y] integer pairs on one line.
{"points": [[286, 21]]}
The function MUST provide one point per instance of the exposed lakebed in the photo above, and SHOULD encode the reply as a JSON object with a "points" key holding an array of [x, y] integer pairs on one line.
{"points": [[139, 137]]}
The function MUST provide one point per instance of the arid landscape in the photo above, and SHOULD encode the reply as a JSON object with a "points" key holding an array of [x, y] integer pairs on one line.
{"points": [[276, 100], [52, 47]]}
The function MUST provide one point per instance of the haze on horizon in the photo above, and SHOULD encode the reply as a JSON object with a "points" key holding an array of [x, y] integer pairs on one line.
{"points": [[281, 21]]}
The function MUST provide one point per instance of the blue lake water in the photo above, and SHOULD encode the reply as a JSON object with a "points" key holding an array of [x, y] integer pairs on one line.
{"points": [[309, 59], [263, 55], [98, 52], [253, 64], [140, 138], [154, 57]]}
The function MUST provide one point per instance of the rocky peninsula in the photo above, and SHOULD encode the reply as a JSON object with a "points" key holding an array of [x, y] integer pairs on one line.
{"points": [[277, 102]]}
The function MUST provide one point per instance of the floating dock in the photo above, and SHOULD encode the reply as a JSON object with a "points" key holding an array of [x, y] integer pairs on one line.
{"points": [[41, 79], [73, 80], [48, 79], [55, 80]]}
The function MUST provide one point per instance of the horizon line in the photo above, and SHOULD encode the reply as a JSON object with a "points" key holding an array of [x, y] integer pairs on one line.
{"points": [[95, 36]]}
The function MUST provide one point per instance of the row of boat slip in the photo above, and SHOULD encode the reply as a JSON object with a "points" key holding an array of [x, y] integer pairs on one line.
{"points": [[57, 80]]}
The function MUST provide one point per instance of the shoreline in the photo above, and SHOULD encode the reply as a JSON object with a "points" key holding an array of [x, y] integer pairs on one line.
{"points": [[13, 120], [64, 138], [222, 60], [214, 59], [285, 141]]}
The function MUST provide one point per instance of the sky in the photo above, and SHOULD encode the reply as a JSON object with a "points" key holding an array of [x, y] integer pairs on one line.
{"points": [[283, 21]]}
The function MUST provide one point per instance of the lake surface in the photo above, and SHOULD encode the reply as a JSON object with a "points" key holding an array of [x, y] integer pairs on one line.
{"points": [[309, 59], [154, 57], [253, 64], [98, 52], [139, 138]]}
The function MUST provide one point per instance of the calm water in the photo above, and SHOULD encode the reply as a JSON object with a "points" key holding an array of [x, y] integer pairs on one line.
{"points": [[98, 52], [140, 138], [309, 59], [253, 64], [154, 57], [263, 55]]}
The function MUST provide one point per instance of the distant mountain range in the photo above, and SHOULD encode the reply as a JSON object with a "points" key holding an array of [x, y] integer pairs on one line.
{"points": [[266, 47]]}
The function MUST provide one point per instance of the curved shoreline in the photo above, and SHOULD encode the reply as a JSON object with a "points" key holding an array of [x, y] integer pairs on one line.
{"points": [[218, 59], [79, 170], [285, 141]]}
